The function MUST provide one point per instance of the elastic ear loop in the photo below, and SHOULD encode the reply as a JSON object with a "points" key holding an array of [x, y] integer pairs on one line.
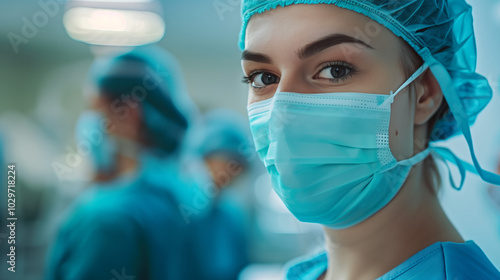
{"points": [[458, 112], [410, 80]]}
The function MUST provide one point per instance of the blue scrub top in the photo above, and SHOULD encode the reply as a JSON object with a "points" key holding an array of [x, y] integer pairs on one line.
{"points": [[133, 229], [441, 260], [121, 233]]}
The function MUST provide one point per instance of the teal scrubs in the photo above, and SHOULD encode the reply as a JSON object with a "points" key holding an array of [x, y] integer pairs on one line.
{"points": [[122, 232], [220, 244], [133, 228], [440, 261]]}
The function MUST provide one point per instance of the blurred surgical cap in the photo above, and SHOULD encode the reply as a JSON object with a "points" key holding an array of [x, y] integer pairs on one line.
{"points": [[439, 30], [223, 132], [151, 77]]}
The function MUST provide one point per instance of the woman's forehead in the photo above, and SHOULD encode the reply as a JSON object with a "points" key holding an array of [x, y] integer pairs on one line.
{"points": [[297, 25]]}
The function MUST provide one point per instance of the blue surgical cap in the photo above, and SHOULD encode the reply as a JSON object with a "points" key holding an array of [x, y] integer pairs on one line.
{"points": [[223, 132], [151, 77], [440, 31]]}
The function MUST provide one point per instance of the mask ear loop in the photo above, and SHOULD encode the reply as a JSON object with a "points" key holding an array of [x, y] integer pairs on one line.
{"points": [[410, 80]]}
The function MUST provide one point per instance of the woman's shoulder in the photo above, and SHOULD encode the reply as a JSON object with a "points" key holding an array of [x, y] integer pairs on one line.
{"points": [[446, 260], [467, 261], [441, 260]]}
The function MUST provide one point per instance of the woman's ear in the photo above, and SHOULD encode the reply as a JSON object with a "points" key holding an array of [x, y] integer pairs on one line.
{"points": [[429, 98]]}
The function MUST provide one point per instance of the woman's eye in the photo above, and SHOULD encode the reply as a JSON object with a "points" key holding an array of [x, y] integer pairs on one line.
{"points": [[261, 80], [335, 72]]}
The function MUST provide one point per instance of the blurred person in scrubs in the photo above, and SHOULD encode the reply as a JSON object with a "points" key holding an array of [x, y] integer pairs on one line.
{"points": [[222, 142], [128, 224], [346, 102], [224, 146]]}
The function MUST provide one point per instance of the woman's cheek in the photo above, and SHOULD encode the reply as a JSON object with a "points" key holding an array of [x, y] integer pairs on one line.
{"points": [[401, 127]]}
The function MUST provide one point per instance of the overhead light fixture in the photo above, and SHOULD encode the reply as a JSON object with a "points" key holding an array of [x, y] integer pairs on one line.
{"points": [[114, 22]]}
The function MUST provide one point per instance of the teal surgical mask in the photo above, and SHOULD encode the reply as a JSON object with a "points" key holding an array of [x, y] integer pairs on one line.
{"points": [[94, 141], [328, 154], [90, 133]]}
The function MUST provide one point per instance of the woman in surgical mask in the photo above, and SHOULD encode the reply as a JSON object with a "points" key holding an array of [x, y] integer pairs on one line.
{"points": [[128, 224], [346, 101]]}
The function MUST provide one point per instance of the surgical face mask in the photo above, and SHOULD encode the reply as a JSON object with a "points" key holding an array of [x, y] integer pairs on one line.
{"points": [[328, 154], [91, 133], [101, 148]]}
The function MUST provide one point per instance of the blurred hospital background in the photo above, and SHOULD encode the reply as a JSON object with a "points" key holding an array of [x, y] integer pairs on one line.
{"points": [[42, 72]]}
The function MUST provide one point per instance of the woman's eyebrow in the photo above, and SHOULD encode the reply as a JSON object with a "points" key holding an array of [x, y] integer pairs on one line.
{"points": [[327, 42], [257, 57]]}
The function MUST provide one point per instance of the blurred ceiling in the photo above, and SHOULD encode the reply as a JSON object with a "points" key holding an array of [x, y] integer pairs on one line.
{"points": [[202, 34], [212, 26]]}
